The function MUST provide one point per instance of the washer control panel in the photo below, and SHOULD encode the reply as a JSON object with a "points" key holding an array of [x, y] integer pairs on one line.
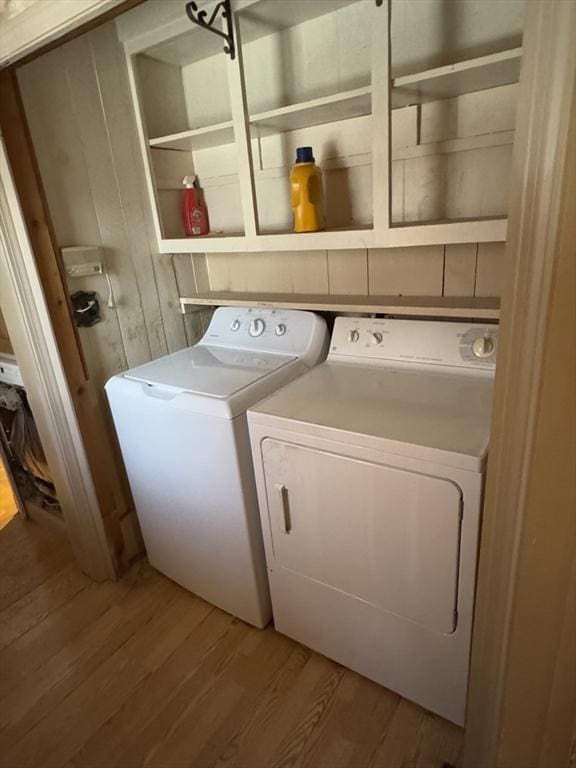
{"points": [[464, 345], [288, 331]]}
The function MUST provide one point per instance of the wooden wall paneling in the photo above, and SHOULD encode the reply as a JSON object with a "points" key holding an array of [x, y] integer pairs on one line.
{"points": [[44, 79], [202, 283], [455, 175], [460, 269], [165, 279], [348, 272], [477, 182], [129, 177], [490, 269], [187, 286], [282, 272], [30, 191], [471, 114], [308, 271], [425, 188], [218, 270], [170, 166], [209, 104], [102, 343], [102, 177], [59, 149], [489, 111], [327, 54], [409, 271], [200, 270], [162, 96], [60, 152], [483, 27]]}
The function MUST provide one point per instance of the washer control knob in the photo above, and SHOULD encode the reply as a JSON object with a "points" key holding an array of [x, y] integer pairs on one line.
{"points": [[376, 337], [256, 327], [483, 347], [353, 336], [280, 329], [235, 325]]}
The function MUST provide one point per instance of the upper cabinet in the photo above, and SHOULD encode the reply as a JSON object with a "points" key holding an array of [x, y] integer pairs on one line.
{"points": [[409, 106]]}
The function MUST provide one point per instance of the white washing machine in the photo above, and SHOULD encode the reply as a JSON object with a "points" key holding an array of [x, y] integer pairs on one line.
{"points": [[369, 472], [181, 424]]}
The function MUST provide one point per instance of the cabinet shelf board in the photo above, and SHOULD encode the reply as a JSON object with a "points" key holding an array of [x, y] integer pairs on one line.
{"points": [[415, 306], [456, 79], [327, 109], [198, 138], [462, 231]]}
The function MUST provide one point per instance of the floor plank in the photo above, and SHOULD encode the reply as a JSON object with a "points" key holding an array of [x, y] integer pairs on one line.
{"points": [[142, 674]]}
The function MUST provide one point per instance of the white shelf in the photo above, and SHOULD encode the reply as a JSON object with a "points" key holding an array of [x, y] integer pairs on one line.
{"points": [[456, 79], [440, 83], [328, 109], [468, 231], [415, 306], [434, 84], [199, 138]]}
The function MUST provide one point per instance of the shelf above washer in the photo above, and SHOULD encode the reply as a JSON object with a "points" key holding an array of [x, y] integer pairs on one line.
{"points": [[414, 306]]}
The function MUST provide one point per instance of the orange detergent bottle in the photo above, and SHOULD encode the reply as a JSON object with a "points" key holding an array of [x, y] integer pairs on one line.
{"points": [[307, 193]]}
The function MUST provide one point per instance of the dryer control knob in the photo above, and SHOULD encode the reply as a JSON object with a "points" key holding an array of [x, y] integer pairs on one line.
{"points": [[235, 325], [353, 336], [376, 337], [483, 347], [257, 327], [280, 329]]}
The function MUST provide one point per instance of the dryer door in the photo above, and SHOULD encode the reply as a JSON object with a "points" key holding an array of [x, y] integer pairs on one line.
{"points": [[387, 536]]}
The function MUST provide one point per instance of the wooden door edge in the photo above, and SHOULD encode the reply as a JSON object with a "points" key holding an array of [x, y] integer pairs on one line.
{"points": [[547, 85]]}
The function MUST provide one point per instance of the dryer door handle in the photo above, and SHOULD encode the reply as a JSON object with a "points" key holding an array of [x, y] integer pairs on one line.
{"points": [[285, 505]]}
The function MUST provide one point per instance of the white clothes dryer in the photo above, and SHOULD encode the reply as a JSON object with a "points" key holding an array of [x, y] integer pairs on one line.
{"points": [[181, 425], [369, 472]]}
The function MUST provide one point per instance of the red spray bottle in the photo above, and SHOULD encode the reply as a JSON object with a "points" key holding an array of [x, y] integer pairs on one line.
{"points": [[194, 209]]}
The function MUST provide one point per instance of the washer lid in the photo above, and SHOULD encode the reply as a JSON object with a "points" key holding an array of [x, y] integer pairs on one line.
{"points": [[210, 371], [434, 415]]}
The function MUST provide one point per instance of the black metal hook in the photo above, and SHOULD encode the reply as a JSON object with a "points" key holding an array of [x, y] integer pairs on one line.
{"points": [[199, 17]]}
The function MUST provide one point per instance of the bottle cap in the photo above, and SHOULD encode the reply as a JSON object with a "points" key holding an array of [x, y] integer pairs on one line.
{"points": [[304, 155], [189, 181]]}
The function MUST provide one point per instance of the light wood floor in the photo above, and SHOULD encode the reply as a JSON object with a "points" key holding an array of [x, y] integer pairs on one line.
{"points": [[8, 506], [142, 673]]}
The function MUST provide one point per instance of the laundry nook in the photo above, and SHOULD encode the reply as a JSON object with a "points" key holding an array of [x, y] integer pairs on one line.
{"points": [[287, 391]]}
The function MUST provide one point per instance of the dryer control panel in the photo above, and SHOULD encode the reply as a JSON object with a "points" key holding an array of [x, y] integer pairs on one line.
{"points": [[424, 342]]}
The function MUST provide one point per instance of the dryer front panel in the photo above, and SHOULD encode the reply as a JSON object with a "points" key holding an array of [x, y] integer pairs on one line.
{"points": [[387, 536]]}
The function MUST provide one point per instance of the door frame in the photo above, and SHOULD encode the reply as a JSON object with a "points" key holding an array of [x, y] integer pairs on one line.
{"points": [[35, 346], [537, 239]]}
